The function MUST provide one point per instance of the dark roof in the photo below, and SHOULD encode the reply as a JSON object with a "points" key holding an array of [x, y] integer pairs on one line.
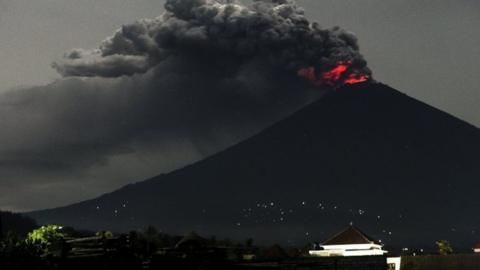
{"points": [[191, 239], [351, 235]]}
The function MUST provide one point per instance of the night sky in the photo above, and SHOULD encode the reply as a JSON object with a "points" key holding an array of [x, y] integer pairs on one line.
{"points": [[66, 139]]}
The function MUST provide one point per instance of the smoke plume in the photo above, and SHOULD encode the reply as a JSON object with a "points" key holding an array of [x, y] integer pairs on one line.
{"points": [[161, 93], [228, 35]]}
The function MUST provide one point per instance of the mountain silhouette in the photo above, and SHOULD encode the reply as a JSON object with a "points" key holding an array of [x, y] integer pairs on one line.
{"points": [[403, 171], [15, 223]]}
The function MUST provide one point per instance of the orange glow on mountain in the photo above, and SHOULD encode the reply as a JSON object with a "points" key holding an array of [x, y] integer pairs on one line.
{"points": [[336, 73], [335, 77], [356, 78], [309, 74]]}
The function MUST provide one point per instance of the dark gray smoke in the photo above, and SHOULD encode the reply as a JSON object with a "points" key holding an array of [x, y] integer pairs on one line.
{"points": [[159, 94], [224, 33]]}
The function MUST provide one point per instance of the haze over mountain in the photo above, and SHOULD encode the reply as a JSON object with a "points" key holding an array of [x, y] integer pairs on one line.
{"points": [[403, 171]]}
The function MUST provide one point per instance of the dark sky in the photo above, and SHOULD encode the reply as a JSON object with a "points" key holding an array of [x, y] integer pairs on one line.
{"points": [[77, 138]]}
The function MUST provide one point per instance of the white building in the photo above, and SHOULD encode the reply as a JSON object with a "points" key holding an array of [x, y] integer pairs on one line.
{"points": [[350, 242], [476, 248]]}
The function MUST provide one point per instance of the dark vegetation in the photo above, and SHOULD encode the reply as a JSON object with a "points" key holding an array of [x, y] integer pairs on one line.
{"points": [[64, 248], [56, 247]]}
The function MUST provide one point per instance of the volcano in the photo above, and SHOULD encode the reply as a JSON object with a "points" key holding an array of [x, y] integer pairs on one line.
{"points": [[403, 171]]}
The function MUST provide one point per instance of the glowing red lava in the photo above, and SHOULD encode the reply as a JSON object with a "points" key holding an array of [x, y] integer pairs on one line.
{"points": [[335, 74], [334, 77], [356, 78]]}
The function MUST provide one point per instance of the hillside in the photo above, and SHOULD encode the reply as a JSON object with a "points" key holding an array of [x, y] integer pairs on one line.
{"points": [[403, 171], [15, 223]]}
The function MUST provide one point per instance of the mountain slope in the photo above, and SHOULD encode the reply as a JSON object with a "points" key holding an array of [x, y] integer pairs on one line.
{"points": [[16, 223], [366, 153]]}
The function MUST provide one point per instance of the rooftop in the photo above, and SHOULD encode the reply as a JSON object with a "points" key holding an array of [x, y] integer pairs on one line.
{"points": [[351, 235]]}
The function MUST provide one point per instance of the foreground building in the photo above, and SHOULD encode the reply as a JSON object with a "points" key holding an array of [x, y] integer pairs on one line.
{"points": [[476, 248], [349, 242]]}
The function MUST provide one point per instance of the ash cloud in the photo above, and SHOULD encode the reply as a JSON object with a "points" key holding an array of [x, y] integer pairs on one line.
{"points": [[275, 31], [159, 94]]}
